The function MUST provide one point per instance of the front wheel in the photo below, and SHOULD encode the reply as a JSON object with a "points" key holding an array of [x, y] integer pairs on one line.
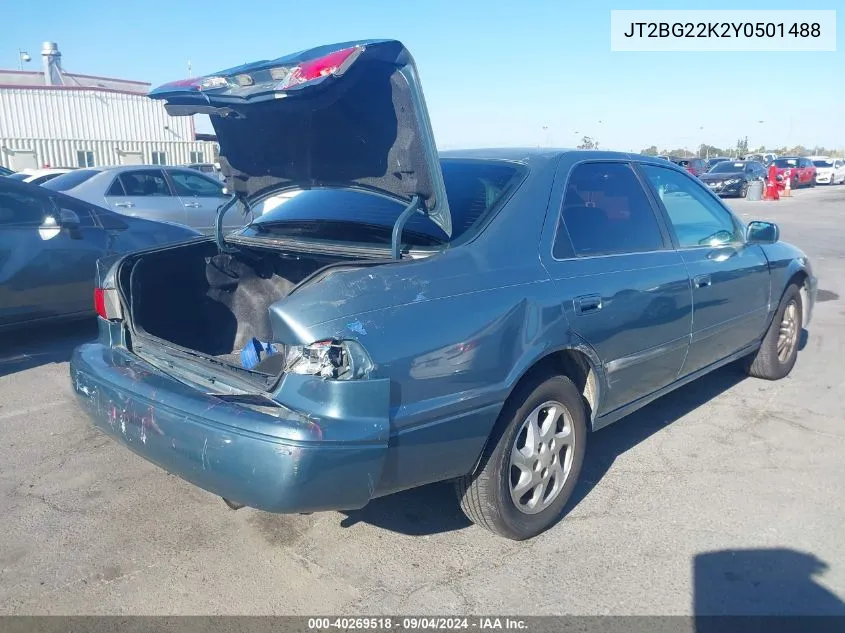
{"points": [[532, 461], [778, 352], [743, 192], [812, 182]]}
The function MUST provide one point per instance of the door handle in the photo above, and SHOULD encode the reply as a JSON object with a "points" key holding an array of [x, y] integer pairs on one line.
{"points": [[702, 281], [124, 205], [587, 304], [192, 205]]}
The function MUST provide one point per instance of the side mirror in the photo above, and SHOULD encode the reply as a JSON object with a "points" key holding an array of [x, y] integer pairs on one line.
{"points": [[762, 232], [69, 219]]}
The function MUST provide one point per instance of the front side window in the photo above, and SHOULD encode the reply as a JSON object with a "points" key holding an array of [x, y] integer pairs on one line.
{"points": [[698, 219], [146, 183], [21, 209], [606, 211], [188, 184], [82, 210]]}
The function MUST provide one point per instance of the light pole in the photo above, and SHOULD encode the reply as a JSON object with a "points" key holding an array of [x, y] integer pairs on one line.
{"points": [[23, 56]]}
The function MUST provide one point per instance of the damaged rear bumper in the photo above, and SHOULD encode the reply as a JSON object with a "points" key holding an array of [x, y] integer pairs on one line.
{"points": [[324, 451]]}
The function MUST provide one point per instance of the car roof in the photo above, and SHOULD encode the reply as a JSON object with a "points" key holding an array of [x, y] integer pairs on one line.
{"points": [[535, 155], [122, 168]]}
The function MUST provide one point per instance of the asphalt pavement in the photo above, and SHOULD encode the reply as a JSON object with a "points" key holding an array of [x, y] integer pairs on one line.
{"points": [[725, 496]]}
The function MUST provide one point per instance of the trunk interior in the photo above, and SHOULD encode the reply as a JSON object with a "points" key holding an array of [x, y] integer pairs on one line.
{"points": [[211, 302]]}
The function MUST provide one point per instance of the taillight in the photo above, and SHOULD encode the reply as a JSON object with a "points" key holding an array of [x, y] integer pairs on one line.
{"points": [[107, 304], [334, 63]]}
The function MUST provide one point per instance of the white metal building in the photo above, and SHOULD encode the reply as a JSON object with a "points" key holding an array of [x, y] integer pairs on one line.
{"points": [[62, 119]]}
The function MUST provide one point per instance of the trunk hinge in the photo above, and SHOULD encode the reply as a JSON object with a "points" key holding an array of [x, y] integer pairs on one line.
{"points": [[396, 244], [218, 229]]}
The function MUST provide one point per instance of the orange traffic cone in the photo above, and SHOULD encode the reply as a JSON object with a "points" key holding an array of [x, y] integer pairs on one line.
{"points": [[787, 188]]}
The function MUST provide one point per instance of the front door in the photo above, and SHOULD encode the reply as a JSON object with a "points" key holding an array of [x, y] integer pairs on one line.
{"points": [[623, 288], [145, 193], [45, 271], [730, 279], [201, 196]]}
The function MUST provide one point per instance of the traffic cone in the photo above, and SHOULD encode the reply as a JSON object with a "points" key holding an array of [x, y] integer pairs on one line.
{"points": [[787, 187]]}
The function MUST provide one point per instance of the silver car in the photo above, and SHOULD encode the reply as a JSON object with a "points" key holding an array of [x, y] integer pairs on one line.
{"points": [[179, 195]]}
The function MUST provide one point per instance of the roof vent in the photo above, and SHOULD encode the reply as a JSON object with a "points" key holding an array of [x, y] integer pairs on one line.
{"points": [[52, 60]]}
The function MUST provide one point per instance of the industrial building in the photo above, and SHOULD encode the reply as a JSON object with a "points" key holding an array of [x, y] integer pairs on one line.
{"points": [[58, 119]]}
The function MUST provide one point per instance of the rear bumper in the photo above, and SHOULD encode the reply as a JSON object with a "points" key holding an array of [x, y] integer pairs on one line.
{"points": [[283, 460]]}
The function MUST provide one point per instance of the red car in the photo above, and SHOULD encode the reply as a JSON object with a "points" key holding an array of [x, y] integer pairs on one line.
{"points": [[695, 166], [799, 171]]}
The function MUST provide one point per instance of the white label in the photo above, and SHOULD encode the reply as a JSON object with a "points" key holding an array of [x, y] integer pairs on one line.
{"points": [[713, 30]]}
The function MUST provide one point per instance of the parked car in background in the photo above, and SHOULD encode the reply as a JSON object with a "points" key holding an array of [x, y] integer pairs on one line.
{"points": [[49, 247], [732, 178], [39, 176], [716, 159], [799, 171], [766, 159], [829, 171], [212, 169], [470, 320], [5, 171], [178, 195], [695, 166]]}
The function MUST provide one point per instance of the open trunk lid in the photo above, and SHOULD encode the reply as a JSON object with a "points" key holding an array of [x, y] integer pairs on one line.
{"points": [[342, 115]]}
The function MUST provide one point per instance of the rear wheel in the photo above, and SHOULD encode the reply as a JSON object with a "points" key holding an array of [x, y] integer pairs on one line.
{"points": [[779, 350], [812, 182], [531, 464]]}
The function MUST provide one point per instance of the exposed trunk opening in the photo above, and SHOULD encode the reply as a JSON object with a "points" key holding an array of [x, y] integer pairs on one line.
{"points": [[210, 302]]}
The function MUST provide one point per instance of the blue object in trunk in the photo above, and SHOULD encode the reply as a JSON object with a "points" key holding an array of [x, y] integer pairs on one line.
{"points": [[251, 354]]}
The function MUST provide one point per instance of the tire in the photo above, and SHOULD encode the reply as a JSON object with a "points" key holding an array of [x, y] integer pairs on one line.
{"points": [[795, 184], [766, 362], [485, 495], [812, 182], [743, 191]]}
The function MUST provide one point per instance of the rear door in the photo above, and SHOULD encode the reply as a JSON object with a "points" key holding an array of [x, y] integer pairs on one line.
{"points": [[45, 271], [145, 193], [200, 197], [623, 288], [730, 279]]}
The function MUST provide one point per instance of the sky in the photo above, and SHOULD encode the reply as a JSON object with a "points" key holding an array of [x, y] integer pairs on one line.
{"points": [[494, 73]]}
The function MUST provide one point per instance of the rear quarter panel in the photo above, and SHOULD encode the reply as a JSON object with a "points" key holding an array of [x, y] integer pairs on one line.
{"points": [[453, 333]]}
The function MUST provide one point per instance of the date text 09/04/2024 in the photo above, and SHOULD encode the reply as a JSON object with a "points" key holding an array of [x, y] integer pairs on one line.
{"points": [[723, 29], [416, 624]]}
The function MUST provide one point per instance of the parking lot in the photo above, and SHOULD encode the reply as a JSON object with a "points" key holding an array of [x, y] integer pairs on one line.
{"points": [[723, 497]]}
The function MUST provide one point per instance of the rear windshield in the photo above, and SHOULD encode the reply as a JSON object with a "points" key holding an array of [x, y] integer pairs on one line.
{"points": [[69, 180], [786, 162], [347, 215]]}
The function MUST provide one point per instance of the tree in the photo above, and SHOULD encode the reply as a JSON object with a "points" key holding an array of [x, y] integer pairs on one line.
{"points": [[650, 151], [588, 143], [742, 146]]}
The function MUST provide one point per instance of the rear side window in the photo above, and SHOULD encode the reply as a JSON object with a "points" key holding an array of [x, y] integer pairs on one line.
{"points": [[70, 180], [145, 183], [188, 184], [606, 211]]}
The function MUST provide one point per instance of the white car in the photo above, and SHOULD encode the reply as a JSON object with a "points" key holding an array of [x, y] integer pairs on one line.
{"points": [[830, 171], [38, 176]]}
